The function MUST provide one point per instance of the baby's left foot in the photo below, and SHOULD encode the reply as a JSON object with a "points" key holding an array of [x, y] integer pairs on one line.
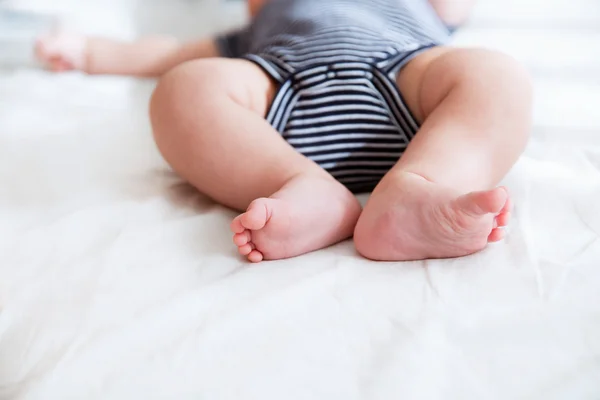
{"points": [[410, 218], [307, 214]]}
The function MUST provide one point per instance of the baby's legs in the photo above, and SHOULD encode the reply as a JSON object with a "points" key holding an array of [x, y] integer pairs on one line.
{"points": [[208, 121], [439, 200]]}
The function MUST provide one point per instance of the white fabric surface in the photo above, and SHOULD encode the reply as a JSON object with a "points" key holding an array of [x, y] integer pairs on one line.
{"points": [[119, 281]]}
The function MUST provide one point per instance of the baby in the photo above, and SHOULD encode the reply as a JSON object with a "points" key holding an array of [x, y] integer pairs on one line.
{"points": [[317, 100]]}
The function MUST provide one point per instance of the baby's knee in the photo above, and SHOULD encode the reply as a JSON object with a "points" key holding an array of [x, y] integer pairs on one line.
{"points": [[478, 73], [181, 94], [498, 71], [502, 84], [504, 79], [180, 87], [180, 108], [202, 86]]}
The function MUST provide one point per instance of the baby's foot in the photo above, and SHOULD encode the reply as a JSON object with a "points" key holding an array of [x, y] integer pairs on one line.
{"points": [[62, 52], [410, 218], [308, 213]]}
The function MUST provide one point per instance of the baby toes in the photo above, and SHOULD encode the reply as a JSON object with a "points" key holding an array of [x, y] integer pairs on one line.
{"points": [[503, 219], [246, 249], [496, 235], [240, 239], [255, 256]]}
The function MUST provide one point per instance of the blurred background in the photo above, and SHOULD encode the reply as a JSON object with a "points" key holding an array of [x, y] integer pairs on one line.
{"points": [[559, 40], [564, 33], [92, 225]]}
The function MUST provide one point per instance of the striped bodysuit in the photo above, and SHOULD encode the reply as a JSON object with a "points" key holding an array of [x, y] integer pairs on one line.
{"points": [[335, 62]]}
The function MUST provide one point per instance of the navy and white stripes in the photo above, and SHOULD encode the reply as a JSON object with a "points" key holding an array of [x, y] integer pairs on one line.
{"points": [[346, 117], [336, 61]]}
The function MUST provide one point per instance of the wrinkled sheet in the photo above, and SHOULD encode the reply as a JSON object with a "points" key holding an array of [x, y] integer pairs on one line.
{"points": [[119, 281]]}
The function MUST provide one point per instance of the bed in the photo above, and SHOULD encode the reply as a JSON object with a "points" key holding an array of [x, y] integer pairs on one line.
{"points": [[119, 281]]}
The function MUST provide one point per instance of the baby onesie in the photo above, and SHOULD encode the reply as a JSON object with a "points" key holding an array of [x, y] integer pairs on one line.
{"points": [[335, 62]]}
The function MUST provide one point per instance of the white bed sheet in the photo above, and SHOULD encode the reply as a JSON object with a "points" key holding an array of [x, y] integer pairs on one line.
{"points": [[119, 281]]}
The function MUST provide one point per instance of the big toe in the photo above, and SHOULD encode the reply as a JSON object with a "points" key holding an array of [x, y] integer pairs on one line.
{"points": [[257, 215], [484, 202]]}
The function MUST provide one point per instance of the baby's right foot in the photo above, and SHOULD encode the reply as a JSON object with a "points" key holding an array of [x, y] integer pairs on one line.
{"points": [[62, 52], [307, 214], [410, 218]]}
